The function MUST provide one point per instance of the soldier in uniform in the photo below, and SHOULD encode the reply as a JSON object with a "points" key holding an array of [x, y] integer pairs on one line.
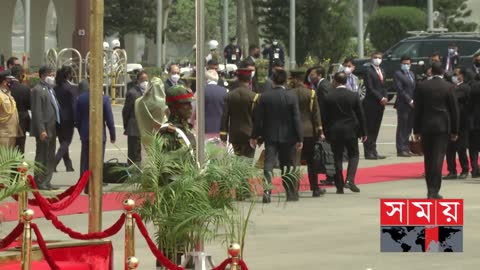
{"points": [[9, 124], [232, 52], [178, 131], [237, 117], [312, 126]]}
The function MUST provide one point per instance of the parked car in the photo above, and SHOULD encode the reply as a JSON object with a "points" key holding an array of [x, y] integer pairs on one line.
{"points": [[420, 47]]}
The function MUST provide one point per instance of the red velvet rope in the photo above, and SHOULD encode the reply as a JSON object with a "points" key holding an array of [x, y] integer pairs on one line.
{"points": [[223, 265], [114, 229], [44, 249], [75, 189], [12, 236], [153, 248]]}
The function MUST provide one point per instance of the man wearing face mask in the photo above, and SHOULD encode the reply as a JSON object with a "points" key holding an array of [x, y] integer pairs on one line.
{"points": [[352, 81], [129, 120], [462, 95], [404, 83], [450, 61], [474, 72], [273, 52], [9, 125], [253, 53], [277, 65], [232, 52], [374, 105], [45, 118], [173, 76]]}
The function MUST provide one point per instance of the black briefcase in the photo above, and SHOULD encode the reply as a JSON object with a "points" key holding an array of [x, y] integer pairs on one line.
{"points": [[115, 172], [323, 158]]}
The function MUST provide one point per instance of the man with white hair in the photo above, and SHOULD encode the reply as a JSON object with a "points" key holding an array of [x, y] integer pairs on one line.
{"points": [[214, 101]]}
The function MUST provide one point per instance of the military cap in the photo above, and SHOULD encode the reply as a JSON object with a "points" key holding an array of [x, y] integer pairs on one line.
{"points": [[244, 71], [178, 94], [5, 75]]}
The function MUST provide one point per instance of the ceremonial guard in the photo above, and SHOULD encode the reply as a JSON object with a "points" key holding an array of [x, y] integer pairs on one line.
{"points": [[312, 126], [274, 52], [178, 131], [9, 124], [232, 52], [237, 118]]}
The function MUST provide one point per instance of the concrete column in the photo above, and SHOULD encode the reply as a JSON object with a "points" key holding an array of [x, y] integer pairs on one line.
{"points": [[66, 18], [6, 23], [38, 28], [81, 31]]}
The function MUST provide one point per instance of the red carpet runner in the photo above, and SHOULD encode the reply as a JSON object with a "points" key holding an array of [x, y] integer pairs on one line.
{"points": [[113, 201]]}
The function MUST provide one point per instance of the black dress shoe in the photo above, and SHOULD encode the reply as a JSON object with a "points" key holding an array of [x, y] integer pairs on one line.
{"points": [[318, 192], [328, 182], [403, 154], [463, 175], [42, 187], [435, 196], [339, 191], [70, 169], [370, 157], [50, 187], [450, 176], [381, 157], [266, 197], [292, 197], [475, 175], [352, 187]]}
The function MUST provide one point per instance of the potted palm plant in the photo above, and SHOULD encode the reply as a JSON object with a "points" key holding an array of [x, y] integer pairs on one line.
{"points": [[187, 203]]}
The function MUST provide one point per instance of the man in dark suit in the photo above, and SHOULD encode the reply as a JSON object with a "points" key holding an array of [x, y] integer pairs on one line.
{"points": [[82, 122], [253, 53], [436, 121], [404, 84], [321, 85], [450, 60], [173, 76], [273, 52], [129, 120], [311, 124], [237, 117], [462, 95], [374, 105], [45, 118], [21, 94], [278, 124], [473, 73], [277, 65], [214, 103], [345, 123], [66, 93], [473, 113]]}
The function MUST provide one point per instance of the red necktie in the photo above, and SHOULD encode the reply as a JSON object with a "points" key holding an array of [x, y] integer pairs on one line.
{"points": [[380, 75]]}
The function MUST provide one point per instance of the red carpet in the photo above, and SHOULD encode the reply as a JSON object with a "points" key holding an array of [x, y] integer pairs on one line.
{"points": [[113, 201]]}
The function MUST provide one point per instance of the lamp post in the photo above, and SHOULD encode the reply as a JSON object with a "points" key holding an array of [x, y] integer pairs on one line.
{"points": [[293, 62], [225, 23], [360, 29], [27, 32], [159, 32], [430, 15]]}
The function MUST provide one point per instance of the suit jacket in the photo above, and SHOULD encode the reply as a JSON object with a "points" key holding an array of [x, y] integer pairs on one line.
{"points": [[130, 125], [277, 117], [345, 119], [309, 111], [322, 89], [214, 103], [43, 111], [355, 83], [9, 124], [405, 88], [436, 109], [462, 94], [21, 94], [82, 117], [473, 108], [375, 88], [237, 117], [67, 95], [453, 59]]}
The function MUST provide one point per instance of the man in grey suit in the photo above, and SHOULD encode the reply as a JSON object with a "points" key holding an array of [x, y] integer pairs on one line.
{"points": [[45, 117], [404, 84]]}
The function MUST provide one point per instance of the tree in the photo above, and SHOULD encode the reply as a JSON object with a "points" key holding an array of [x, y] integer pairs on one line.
{"points": [[452, 12], [323, 27], [398, 20]]}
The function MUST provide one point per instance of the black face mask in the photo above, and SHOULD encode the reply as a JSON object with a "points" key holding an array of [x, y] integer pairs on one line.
{"points": [[9, 84], [477, 64]]}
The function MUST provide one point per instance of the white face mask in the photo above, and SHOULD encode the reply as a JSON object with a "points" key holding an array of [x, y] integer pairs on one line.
{"points": [[175, 78], [348, 70], [377, 61], [455, 80], [275, 43], [50, 80], [144, 85]]}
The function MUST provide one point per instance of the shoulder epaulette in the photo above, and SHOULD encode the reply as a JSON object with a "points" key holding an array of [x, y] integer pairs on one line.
{"points": [[255, 99], [312, 99]]}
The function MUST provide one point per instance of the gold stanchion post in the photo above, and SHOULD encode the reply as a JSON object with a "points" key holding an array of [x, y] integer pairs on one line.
{"points": [[234, 251], [132, 263], [129, 205], [23, 196], [26, 255]]}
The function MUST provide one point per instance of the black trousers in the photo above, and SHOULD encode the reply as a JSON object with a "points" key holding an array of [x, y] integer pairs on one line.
{"points": [[134, 145], [353, 154], [285, 154], [434, 149], [243, 150], [20, 144], [84, 159], [404, 129], [307, 155], [452, 149], [65, 135], [473, 160], [374, 116], [45, 156]]}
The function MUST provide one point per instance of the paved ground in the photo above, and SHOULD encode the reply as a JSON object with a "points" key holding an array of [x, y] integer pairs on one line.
{"points": [[333, 232]]}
